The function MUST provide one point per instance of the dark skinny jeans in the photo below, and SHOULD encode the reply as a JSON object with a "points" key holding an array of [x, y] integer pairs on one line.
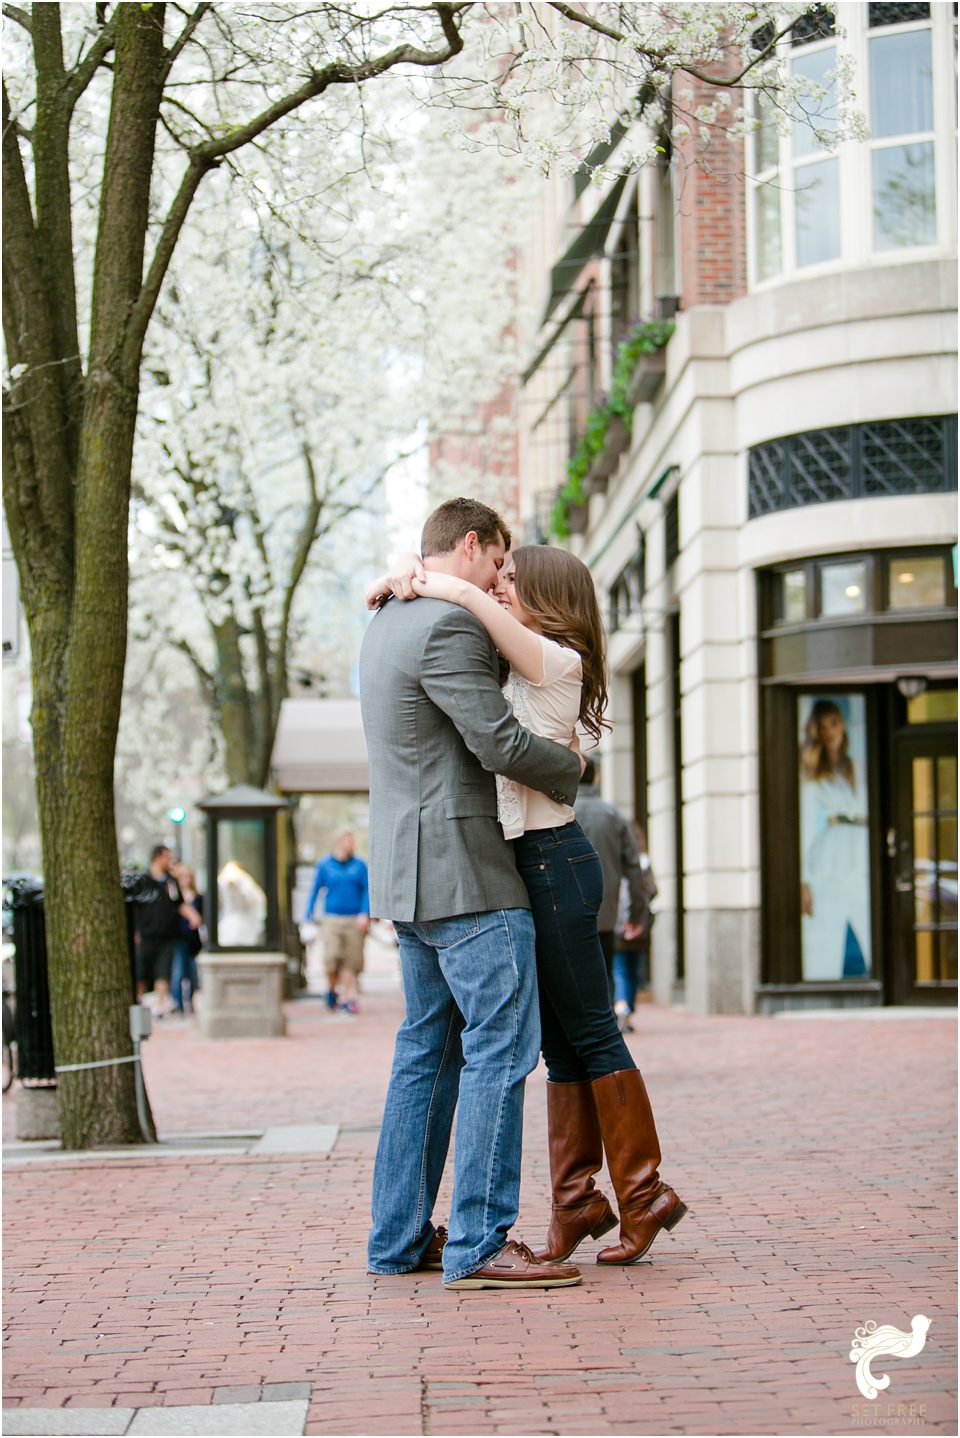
{"points": [[581, 1039]]}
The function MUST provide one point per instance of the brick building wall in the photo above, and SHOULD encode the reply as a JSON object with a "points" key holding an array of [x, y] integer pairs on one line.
{"points": [[712, 216]]}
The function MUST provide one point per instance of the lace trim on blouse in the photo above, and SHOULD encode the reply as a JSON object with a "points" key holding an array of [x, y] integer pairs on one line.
{"points": [[509, 800]]}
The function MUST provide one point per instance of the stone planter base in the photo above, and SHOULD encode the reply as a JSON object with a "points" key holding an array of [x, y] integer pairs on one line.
{"points": [[36, 1112], [242, 995]]}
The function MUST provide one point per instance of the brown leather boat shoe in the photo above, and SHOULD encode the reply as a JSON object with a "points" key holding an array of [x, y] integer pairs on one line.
{"points": [[433, 1253], [516, 1266]]}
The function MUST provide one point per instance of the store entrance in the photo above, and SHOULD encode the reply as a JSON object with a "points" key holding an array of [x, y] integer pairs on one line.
{"points": [[921, 849]]}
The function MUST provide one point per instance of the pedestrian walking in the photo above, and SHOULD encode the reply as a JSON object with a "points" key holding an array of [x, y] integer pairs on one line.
{"points": [[544, 618], [190, 940], [437, 729], [155, 936], [343, 880], [616, 845], [631, 957]]}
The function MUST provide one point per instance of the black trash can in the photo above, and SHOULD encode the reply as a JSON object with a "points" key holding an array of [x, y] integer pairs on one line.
{"points": [[137, 888], [34, 1033]]}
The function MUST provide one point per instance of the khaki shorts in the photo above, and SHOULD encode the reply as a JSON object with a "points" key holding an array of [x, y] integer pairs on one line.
{"points": [[342, 944]]}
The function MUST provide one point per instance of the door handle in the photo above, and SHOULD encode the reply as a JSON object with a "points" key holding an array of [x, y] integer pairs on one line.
{"points": [[904, 885]]}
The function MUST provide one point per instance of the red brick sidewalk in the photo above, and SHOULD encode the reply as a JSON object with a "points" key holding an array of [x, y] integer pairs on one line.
{"points": [[817, 1156]]}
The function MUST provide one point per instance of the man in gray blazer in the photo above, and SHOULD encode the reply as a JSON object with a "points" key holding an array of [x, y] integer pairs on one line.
{"points": [[438, 729]]}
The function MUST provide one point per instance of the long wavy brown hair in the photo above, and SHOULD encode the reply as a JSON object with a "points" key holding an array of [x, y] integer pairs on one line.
{"points": [[556, 589]]}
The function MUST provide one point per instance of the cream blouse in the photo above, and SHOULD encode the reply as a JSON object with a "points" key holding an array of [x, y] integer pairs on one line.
{"points": [[550, 709]]}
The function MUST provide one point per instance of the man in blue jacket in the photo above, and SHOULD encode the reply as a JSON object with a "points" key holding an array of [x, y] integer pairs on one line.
{"points": [[346, 919]]}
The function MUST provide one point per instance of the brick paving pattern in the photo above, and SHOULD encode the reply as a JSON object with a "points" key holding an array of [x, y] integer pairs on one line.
{"points": [[817, 1157]]}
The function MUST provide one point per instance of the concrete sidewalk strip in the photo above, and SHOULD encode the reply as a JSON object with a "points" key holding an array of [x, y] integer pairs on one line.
{"points": [[73, 1422], [298, 1138], [273, 1420], [235, 1420]]}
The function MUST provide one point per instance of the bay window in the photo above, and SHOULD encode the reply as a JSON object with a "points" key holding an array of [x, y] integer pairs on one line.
{"points": [[809, 206]]}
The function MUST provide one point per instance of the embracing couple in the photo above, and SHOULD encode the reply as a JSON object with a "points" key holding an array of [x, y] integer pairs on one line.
{"points": [[493, 890]]}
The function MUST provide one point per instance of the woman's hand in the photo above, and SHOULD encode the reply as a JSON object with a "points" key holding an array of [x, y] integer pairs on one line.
{"points": [[806, 900], [575, 746], [398, 580]]}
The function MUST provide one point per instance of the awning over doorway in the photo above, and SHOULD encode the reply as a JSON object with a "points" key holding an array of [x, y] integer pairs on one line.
{"points": [[320, 748]]}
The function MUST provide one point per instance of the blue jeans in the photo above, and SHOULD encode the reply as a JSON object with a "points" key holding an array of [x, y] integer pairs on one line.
{"points": [[470, 1033], [562, 872], [184, 968], [629, 973]]}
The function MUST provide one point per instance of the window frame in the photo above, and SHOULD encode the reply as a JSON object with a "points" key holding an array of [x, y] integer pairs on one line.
{"points": [[855, 159]]}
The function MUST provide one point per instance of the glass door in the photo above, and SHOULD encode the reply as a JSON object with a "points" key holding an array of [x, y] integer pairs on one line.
{"points": [[923, 848]]}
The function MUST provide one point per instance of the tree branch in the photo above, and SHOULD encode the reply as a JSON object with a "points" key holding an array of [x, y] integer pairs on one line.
{"points": [[580, 17], [38, 492], [204, 157], [206, 679], [80, 77], [183, 39], [13, 12]]}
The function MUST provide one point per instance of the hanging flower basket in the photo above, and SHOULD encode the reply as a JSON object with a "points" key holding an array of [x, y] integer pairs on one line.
{"points": [[647, 377], [578, 518]]}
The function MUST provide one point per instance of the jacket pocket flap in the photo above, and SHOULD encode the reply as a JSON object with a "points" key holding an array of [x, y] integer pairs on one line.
{"points": [[472, 805]]}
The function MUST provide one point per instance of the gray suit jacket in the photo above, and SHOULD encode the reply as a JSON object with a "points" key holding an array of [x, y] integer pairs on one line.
{"points": [[438, 729]]}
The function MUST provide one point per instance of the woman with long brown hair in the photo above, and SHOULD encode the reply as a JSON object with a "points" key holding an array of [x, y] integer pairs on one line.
{"points": [[544, 619]]}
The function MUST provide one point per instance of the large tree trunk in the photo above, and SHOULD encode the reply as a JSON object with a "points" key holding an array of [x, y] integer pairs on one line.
{"points": [[67, 504]]}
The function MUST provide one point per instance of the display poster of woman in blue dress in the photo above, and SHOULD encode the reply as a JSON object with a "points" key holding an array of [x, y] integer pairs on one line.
{"points": [[834, 837]]}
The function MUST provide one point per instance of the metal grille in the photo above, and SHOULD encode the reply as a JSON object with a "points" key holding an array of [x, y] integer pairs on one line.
{"points": [[820, 467], [768, 477], [884, 457], [897, 14], [817, 23], [903, 457]]}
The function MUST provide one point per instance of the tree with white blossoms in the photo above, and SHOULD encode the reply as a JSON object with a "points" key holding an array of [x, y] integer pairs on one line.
{"points": [[295, 347], [114, 119]]}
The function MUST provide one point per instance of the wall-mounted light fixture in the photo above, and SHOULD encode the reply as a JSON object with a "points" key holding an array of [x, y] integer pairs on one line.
{"points": [[912, 686]]}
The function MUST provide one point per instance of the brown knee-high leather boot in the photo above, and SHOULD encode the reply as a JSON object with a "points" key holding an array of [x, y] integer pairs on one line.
{"points": [[576, 1152], [633, 1158]]}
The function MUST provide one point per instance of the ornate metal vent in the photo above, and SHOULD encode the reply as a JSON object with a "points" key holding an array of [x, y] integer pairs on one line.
{"points": [[897, 14], [896, 456]]}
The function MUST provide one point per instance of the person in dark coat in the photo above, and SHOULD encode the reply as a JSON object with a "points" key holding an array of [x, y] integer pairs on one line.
{"points": [[614, 840]]}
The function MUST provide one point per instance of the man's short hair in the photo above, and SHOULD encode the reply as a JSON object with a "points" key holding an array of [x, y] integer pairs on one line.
{"points": [[157, 850], [447, 525], [589, 775]]}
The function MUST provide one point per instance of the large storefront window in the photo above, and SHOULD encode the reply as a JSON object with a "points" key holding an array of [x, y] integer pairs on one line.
{"points": [[858, 775], [834, 837], [806, 202]]}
